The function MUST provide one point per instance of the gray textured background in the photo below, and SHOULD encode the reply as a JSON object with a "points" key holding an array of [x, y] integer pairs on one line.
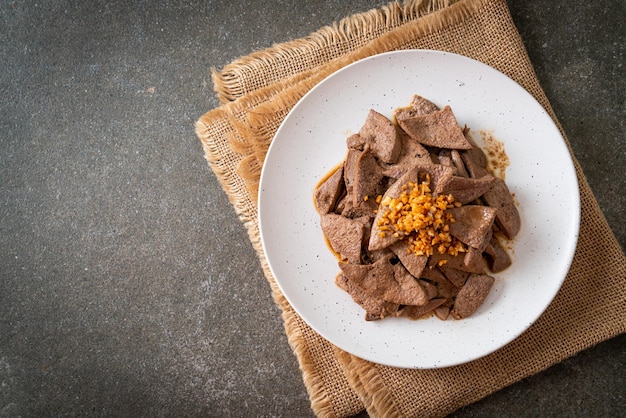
{"points": [[127, 284]]}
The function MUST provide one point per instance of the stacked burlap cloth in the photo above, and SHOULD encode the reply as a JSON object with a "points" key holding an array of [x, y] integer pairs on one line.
{"points": [[257, 92]]}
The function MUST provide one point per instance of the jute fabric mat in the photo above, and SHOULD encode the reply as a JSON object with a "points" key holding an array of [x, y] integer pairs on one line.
{"points": [[258, 91]]}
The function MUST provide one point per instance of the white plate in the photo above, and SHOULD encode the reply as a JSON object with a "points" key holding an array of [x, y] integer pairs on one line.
{"points": [[312, 140]]}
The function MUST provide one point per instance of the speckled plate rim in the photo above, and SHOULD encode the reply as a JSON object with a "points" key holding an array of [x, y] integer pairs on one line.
{"points": [[311, 141]]}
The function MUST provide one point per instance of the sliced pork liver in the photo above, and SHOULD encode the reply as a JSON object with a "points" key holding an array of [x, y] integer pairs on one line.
{"points": [[412, 154], [473, 260], [378, 242], [375, 308], [447, 290], [465, 190], [438, 173], [442, 312], [459, 262], [417, 312], [349, 169], [507, 217], [472, 224], [445, 157], [433, 274], [412, 148], [373, 256], [344, 235], [364, 208], [381, 135], [412, 262], [438, 129], [367, 177], [430, 288], [387, 281], [496, 257], [472, 295], [455, 276], [499, 197], [419, 106], [378, 272], [328, 193], [475, 154], [457, 160]]}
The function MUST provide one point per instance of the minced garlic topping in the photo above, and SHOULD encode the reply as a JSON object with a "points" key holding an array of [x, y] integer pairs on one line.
{"points": [[421, 219]]}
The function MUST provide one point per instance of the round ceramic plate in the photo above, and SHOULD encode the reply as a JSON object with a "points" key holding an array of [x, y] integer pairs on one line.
{"points": [[312, 140]]}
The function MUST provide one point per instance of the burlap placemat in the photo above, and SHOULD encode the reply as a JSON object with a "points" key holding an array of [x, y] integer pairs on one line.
{"points": [[257, 92]]}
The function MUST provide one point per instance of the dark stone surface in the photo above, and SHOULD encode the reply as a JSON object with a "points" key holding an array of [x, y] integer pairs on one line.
{"points": [[127, 284]]}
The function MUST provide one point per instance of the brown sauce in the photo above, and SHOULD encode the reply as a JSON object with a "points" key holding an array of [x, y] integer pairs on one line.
{"points": [[497, 159], [497, 163], [317, 186]]}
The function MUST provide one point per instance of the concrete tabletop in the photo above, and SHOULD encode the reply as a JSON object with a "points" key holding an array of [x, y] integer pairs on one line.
{"points": [[128, 286]]}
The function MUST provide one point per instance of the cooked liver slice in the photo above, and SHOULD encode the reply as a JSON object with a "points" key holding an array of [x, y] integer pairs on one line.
{"points": [[375, 308], [412, 262], [349, 169], [416, 312], [476, 154], [445, 158], [457, 160], [387, 281], [473, 260], [499, 197], [496, 257], [472, 295], [465, 190], [472, 224], [367, 177], [507, 217], [355, 141], [327, 194], [439, 174], [374, 256], [377, 242], [344, 235], [381, 135], [412, 154], [459, 262], [433, 274], [455, 276], [341, 204], [446, 290], [442, 312], [412, 148], [429, 288], [419, 106], [364, 208], [438, 129]]}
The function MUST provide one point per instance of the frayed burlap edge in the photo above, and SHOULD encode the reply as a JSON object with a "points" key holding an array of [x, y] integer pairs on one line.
{"points": [[328, 43]]}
